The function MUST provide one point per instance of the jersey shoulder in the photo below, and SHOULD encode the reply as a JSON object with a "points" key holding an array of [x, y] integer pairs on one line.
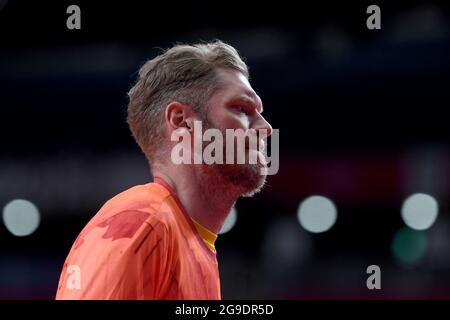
{"points": [[127, 217]]}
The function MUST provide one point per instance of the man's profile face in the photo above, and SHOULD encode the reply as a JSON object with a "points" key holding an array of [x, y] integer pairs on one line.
{"points": [[237, 106]]}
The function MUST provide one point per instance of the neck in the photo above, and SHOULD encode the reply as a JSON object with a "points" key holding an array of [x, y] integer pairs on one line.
{"points": [[206, 198]]}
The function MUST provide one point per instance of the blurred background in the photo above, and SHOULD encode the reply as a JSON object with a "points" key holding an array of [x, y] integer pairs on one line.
{"points": [[363, 116]]}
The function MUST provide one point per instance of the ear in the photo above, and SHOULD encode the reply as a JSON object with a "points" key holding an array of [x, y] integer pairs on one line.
{"points": [[178, 115]]}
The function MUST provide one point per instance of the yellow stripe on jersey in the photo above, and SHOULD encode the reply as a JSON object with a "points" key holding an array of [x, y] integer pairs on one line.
{"points": [[208, 236]]}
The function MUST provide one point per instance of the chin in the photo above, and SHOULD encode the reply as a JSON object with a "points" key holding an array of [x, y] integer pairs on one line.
{"points": [[246, 178], [256, 189]]}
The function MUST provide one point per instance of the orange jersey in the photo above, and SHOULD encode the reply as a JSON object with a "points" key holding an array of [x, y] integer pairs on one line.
{"points": [[140, 245]]}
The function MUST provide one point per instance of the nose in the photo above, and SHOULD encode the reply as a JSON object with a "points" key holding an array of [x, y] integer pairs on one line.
{"points": [[262, 125]]}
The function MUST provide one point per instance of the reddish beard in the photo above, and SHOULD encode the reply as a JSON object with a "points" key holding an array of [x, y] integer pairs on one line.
{"points": [[248, 178]]}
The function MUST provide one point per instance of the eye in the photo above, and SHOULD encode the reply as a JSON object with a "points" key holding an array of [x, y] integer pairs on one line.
{"points": [[241, 109]]}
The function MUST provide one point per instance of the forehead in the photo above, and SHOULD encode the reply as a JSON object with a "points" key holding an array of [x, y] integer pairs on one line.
{"points": [[235, 87]]}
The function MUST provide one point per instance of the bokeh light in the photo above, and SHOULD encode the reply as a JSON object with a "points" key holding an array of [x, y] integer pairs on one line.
{"points": [[317, 214], [419, 211], [408, 245], [229, 222], [21, 217]]}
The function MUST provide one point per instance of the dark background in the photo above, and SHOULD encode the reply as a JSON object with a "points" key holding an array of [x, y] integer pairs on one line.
{"points": [[362, 116]]}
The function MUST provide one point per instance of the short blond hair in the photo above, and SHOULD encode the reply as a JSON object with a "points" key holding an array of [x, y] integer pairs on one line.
{"points": [[183, 73]]}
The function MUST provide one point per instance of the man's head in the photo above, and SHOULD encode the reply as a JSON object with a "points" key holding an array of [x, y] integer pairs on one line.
{"points": [[207, 82]]}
